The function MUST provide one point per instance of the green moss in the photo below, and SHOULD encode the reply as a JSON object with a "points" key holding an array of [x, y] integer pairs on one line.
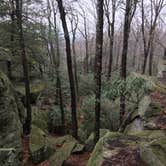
{"points": [[150, 134], [68, 144], [37, 139], [102, 133], [40, 146], [160, 153], [67, 138], [96, 156], [78, 148]]}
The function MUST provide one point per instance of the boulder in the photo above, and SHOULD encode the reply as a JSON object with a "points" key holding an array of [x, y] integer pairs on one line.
{"points": [[145, 117], [146, 149], [11, 127], [136, 126], [89, 143], [40, 146], [65, 146]]}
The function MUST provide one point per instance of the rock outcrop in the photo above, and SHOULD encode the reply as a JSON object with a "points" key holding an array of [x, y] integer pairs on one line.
{"points": [[147, 148], [11, 117]]}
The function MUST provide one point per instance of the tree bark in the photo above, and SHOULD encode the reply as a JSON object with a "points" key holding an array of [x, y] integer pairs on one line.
{"points": [[98, 67], [58, 83], [74, 29], [111, 36], [70, 70], [129, 13], [151, 59], [27, 124]]}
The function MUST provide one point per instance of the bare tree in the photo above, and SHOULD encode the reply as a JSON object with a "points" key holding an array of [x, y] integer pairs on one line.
{"points": [[111, 29], [98, 66], [156, 8], [136, 33], [70, 70], [74, 26], [85, 35]]}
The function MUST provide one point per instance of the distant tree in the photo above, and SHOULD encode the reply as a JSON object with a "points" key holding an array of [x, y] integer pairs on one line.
{"points": [[85, 36], [148, 39], [111, 29]]}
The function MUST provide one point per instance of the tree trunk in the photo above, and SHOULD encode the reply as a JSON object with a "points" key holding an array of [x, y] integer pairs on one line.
{"points": [[75, 65], [111, 38], [151, 59], [98, 67], [86, 48], [70, 70], [127, 22], [58, 83], [27, 124]]}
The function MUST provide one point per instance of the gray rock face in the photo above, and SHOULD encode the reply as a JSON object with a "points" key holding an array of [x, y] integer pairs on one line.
{"points": [[10, 127]]}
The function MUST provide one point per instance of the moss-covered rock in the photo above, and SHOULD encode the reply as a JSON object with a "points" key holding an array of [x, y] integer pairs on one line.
{"points": [[136, 126], [89, 143], [64, 147], [145, 117], [10, 127], [40, 146], [146, 149], [154, 153], [97, 154]]}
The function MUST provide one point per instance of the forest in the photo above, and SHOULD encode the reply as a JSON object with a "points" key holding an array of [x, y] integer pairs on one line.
{"points": [[82, 82]]}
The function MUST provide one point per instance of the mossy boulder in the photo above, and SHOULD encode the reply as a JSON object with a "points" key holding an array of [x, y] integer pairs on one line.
{"points": [[11, 124], [65, 146], [146, 149], [97, 154], [89, 143], [154, 153], [145, 117], [136, 126], [40, 146]]}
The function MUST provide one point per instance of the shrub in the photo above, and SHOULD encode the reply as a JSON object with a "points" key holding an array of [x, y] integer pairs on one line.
{"points": [[134, 88], [109, 115], [55, 119]]}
